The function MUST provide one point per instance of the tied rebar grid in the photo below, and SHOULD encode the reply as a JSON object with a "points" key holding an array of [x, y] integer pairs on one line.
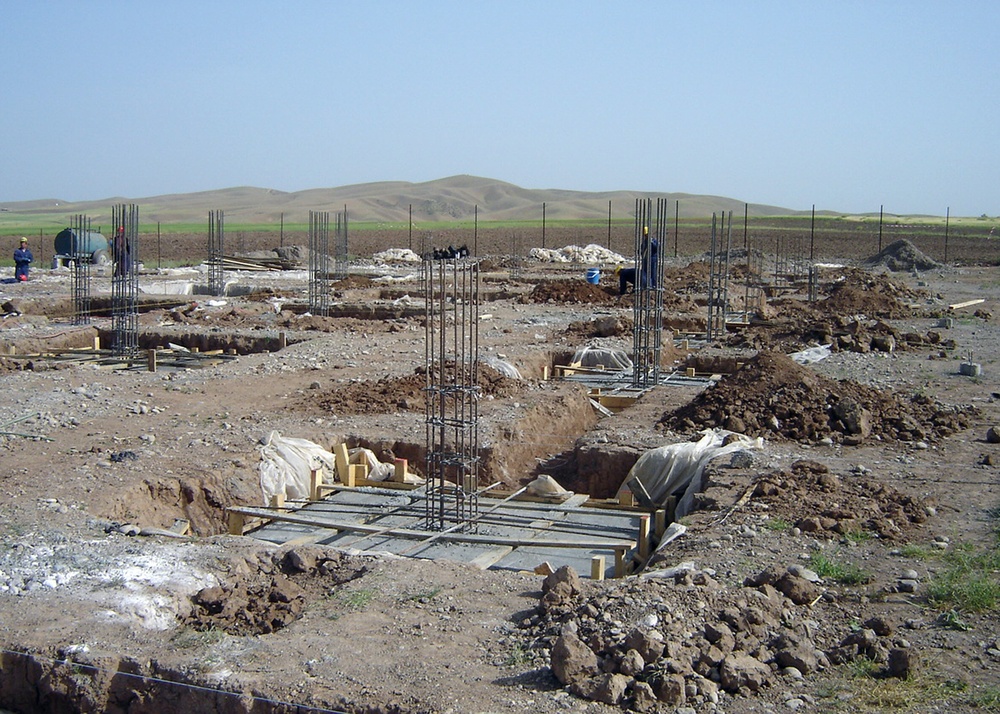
{"points": [[791, 261], [515, 258], [319, 263], [125, 281], [798, 259], [451, 361], [216, 244], [647, 304], [718, 281], [80, 281], [754, 286], [340, 247]]}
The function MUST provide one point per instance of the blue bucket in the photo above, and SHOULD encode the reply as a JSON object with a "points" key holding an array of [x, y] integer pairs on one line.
{"points": [[593, 276]]}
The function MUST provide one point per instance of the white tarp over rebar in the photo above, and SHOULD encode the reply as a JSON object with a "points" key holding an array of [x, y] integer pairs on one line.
{"points": [[287, 463], [662, 472], [602, 357]]}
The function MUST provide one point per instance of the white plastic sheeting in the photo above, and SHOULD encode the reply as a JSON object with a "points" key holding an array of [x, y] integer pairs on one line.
{"points": [[396, 255], [286, 464], [811, 355], [592, 254], [592, 356], [662, 472], [503, 367], [546, 486]]}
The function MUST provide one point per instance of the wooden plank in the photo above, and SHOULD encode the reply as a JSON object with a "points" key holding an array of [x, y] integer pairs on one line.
{"points": [[967, 303], [236, 521], [643, 537], [491, 557], [340, 455], [597, 566]]}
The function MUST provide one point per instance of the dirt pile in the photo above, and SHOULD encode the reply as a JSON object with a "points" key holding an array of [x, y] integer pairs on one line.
{"points": [[683, 639], [773, 397], [850, 318], [603, 326], [861, 293], [392, 394], [902, 255], [571, 291], [843, 334], [821, 503], [270, 592]]}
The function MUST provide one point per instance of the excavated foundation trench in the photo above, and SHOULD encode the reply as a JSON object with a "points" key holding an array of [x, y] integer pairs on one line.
{"points": [[70, 683]]}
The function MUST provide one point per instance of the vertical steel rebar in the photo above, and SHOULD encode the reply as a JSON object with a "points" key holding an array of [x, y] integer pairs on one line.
{"points": [[216, 251], [947, 220], [80, 257], [647, 297], [341, 258], [319, 263], [812, 234], [543, 224], [880, 227], [451, 358], [718, 286], [609, 225], [746, 222], [125, 281], [677, 224]]}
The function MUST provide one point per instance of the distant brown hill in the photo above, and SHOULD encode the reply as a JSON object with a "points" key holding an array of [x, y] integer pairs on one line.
{"points": [[449, 199]]}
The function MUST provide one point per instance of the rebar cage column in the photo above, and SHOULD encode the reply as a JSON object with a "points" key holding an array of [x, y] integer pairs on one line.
{"points": [[647, 305], [125, 280], [718, 282], [340, 247], [80, 280], [216, 246], [451, 361], [319, 263], [754, 285]]}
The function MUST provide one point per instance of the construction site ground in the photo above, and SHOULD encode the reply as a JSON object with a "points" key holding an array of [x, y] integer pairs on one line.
{"points": [[104, 608]]}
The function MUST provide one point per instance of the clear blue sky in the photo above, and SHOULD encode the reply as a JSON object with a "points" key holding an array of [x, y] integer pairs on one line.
{"points": [[843, 104]]}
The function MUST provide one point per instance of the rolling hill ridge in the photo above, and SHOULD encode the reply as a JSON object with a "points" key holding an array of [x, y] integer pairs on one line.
{"points": [[455, 198]]}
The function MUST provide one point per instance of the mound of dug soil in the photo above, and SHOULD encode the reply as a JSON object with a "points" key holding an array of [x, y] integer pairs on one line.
{"points": [[391, 394], [902, 255], [820, 502], [773, 397], [862, 293], [263, 596], [571, 291]]}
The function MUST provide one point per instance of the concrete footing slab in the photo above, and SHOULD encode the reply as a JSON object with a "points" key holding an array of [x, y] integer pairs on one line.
{"points": [[510, 535]]}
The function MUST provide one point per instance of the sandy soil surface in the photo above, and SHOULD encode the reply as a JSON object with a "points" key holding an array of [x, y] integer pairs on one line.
{"points": [[876, 459]]}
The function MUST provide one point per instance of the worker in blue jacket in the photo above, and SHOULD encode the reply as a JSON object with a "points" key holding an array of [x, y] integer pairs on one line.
{"points": [[22, 259], [649, 260]]}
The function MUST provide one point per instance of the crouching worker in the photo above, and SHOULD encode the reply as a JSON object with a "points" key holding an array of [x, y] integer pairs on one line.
{"points": [[22, 259], [626, 278]]}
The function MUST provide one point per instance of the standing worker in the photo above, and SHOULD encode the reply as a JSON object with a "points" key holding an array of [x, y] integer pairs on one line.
{"points": [[649, 260], [122, 252], [22, 259]]}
